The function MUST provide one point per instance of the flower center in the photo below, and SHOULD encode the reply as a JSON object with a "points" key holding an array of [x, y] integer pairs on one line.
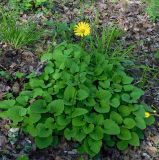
{"points": [[83, 30]]}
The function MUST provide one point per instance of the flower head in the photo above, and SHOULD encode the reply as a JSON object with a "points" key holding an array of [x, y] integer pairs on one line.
{"points": [[147, 114], [82, 29]]}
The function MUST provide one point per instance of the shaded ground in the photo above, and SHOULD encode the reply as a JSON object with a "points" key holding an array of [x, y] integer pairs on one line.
{"points": [[139, 31]]}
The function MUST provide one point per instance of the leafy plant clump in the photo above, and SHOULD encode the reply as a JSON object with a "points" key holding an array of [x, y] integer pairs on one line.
{"points": [[86, 97], [15, 34], [25, 5]]}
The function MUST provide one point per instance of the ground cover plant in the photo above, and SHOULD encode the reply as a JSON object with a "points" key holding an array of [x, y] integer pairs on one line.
{"points": [[84, 96], [17, 35], [25, 5]]}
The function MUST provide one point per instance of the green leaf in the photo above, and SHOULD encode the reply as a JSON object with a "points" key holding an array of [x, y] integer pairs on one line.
{"points": [[35, 83], [117, 87], [116, 117], [125, 134], [37, 92], [140, 112], [94, 145], [128, 87], [79, 136], [70, 93], [136, 94], [6, 104], [127, 80], [49, 69], [115, 102], [116, 78], [90, 102], [98, 70], [62, 120], [82, 94], [110, 127], [103, 94], [129, 123], [78, 112], [43, 130], [97, 119], [125, 97], [59, 58], [33, 118], [22, 100], [49, 123], [150, 120], [134, 141], [69, 134], [16, 114], [46, 57], [38, 106], [140, 123], [140, 133], [122, 145], [104, 106], [88, 128], [78, 121], [56, 107], [105, 84], [74, 67], [85, 148], [43, 142], [31, 129], [108, 140], [97, 133], [124, 110]]}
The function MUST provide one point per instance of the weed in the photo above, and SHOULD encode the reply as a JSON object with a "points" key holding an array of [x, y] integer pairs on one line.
{"points": [[84, 96], [15, 34]]}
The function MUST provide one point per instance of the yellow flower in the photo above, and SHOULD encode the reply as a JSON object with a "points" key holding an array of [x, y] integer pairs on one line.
{"points": [[147, 114], [82, 29]]}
